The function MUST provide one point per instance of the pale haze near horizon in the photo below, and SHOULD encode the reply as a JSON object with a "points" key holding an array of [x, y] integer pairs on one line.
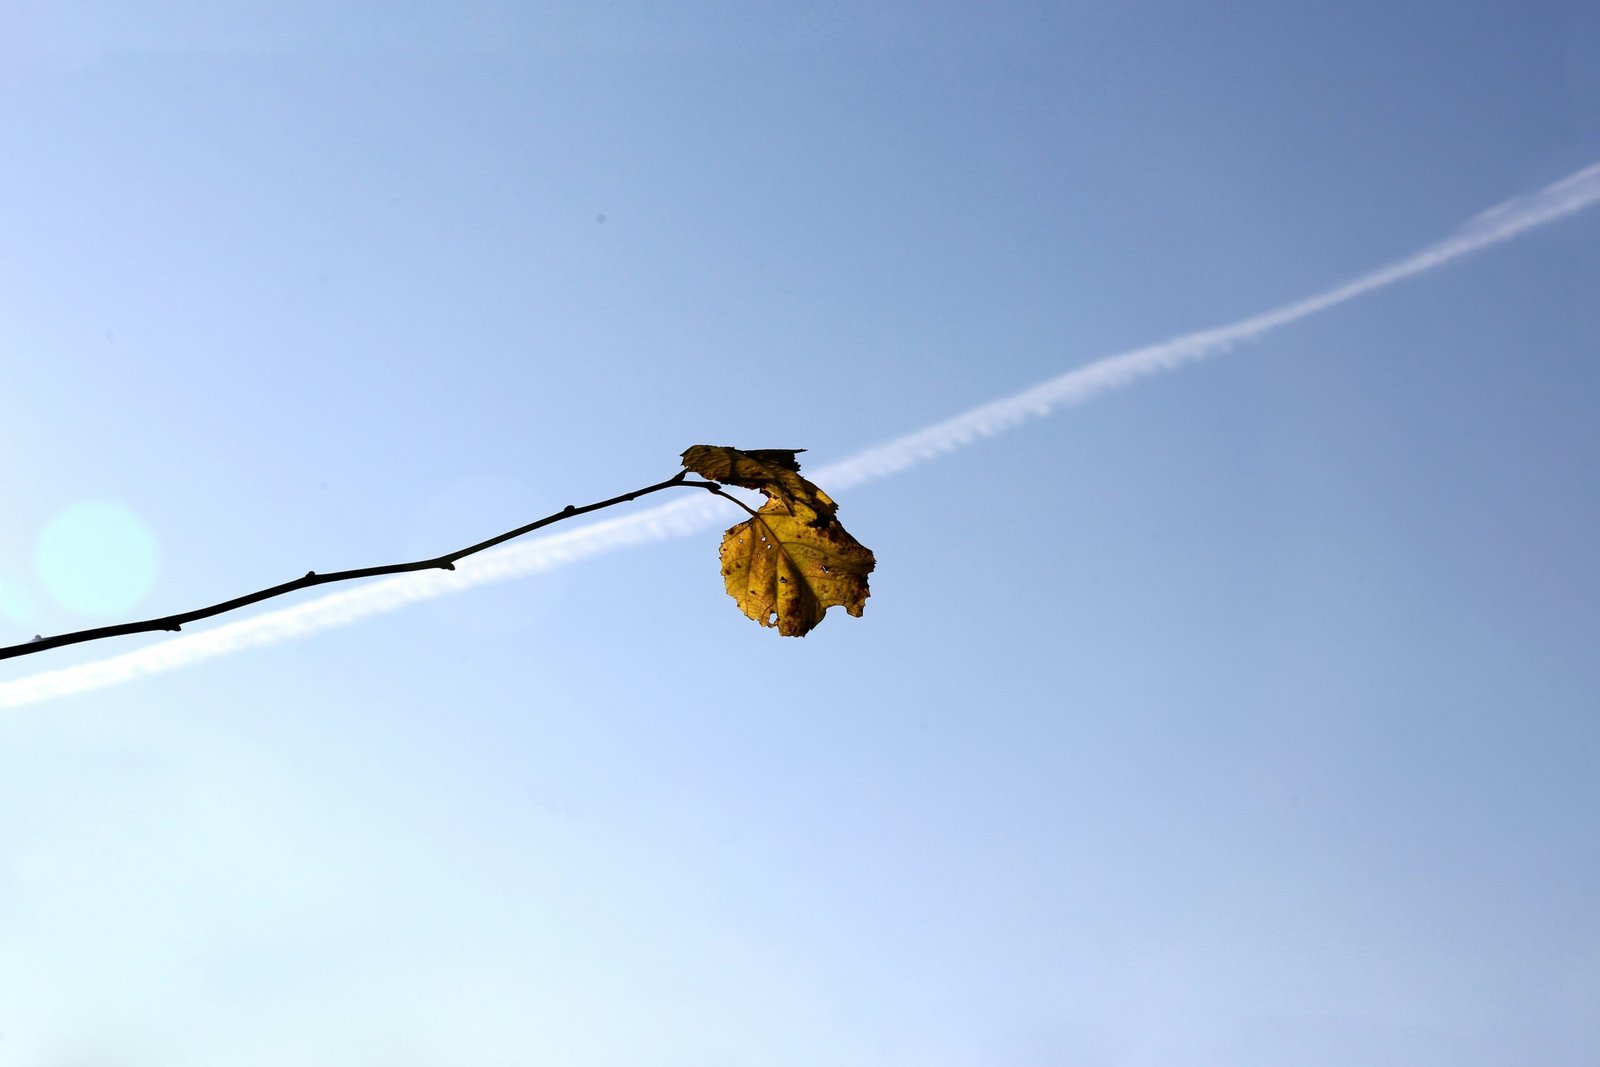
{"points": [[1244, 717]]}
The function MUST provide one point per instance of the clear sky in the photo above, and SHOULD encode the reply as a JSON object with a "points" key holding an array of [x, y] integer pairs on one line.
{"points": [[1247, 715]]}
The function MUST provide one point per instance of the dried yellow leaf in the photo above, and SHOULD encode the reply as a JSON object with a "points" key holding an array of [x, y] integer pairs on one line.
{"points": [[791, 560]]}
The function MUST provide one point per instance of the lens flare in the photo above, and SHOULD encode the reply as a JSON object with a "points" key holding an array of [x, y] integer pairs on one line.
{"points": [[96, 558]]}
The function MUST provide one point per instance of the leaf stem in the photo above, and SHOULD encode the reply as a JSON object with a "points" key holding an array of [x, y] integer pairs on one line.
{"points": [[717, 490], [312, 578]]}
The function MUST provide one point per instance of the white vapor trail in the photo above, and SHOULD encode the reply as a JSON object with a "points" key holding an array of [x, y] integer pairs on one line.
{"points": [[1498, 224], [1492, 227]]}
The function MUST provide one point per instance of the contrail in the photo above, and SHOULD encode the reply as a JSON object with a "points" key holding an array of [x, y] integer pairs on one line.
{"points": [[1495, 226], [1498, 224]]}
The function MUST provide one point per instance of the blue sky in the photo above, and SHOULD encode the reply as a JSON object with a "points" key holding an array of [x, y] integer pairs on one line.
{"points": [[1245, 715]]}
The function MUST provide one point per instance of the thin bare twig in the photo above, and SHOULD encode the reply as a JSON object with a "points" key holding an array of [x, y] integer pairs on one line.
{"points": [[312, 578]]}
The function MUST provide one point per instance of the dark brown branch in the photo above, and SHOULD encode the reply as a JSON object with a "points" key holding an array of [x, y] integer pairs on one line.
{"points": [[312, 578]]}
